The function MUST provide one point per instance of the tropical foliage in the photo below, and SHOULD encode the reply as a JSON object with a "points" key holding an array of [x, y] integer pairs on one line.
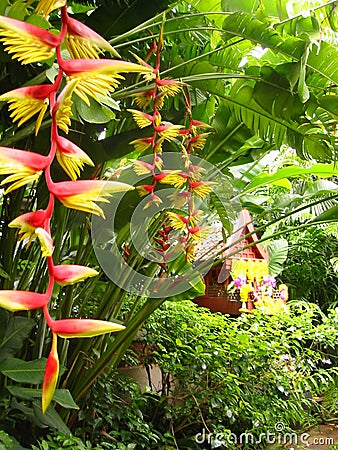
{"points": [[229, 83]]}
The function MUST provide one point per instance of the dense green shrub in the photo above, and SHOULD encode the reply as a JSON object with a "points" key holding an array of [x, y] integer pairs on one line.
{"points": [[222, 376], [311, 267], [119, 416], [58, 441], [241, 375]]}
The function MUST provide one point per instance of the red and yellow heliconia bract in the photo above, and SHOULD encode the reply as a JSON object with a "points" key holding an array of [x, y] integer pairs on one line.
{"points": [[84, 43], [46, 242], [71, 157], [51, 375], [22, 300], [23, 167], [28, 223], [62, 110], [82, 194], [69, 328], [97, 77], [202, 188], [66, 274], [80, 328], [26, 42], [141, 118], [27, 101]]}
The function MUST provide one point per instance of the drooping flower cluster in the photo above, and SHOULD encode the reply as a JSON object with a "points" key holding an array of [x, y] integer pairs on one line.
{"points": [[87, 76], [188, 179]]}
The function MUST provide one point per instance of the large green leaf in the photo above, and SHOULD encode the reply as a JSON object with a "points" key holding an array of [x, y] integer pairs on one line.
{"points": [[24, 371], [50, 419], [14, 332], [331, 215], [325, 62], [207, 6], [61, 396], [264, 179], [260, 32], [93, 113], [265, 115], [278, 252]]}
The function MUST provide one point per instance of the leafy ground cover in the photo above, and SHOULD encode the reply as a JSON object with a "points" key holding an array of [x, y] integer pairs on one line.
{"points": [[222, 377]]}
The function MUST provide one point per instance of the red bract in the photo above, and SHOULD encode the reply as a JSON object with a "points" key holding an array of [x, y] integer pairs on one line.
{"points": [[31, 160], [66, 274], [76, 66], [71, 157], [97, 77], [27, 101], [51, 375], [48, 38], [78, 328], [82, 194], [83, 42], [23, 167], [28, 223], [38, 92], [28, 43], [22, 300]]}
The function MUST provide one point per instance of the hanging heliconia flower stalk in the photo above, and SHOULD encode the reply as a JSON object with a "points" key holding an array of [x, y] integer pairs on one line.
{"points": [[188, 182], [86, 76]]}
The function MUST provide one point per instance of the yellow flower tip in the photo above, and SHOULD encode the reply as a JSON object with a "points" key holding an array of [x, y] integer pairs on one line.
{"points": [[71, 157], [45, 7], [51, 376], [142, 168], [190, 253], [97, 76], [63, 108], [202, 188], [84, 43], [198, 141], [19, 179], [27, 224], [142, 119], [141, 144], [199, 233], [168, 132], [169, 88], [143, 99], [174, 177], [177, 221], [46, 242]]}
